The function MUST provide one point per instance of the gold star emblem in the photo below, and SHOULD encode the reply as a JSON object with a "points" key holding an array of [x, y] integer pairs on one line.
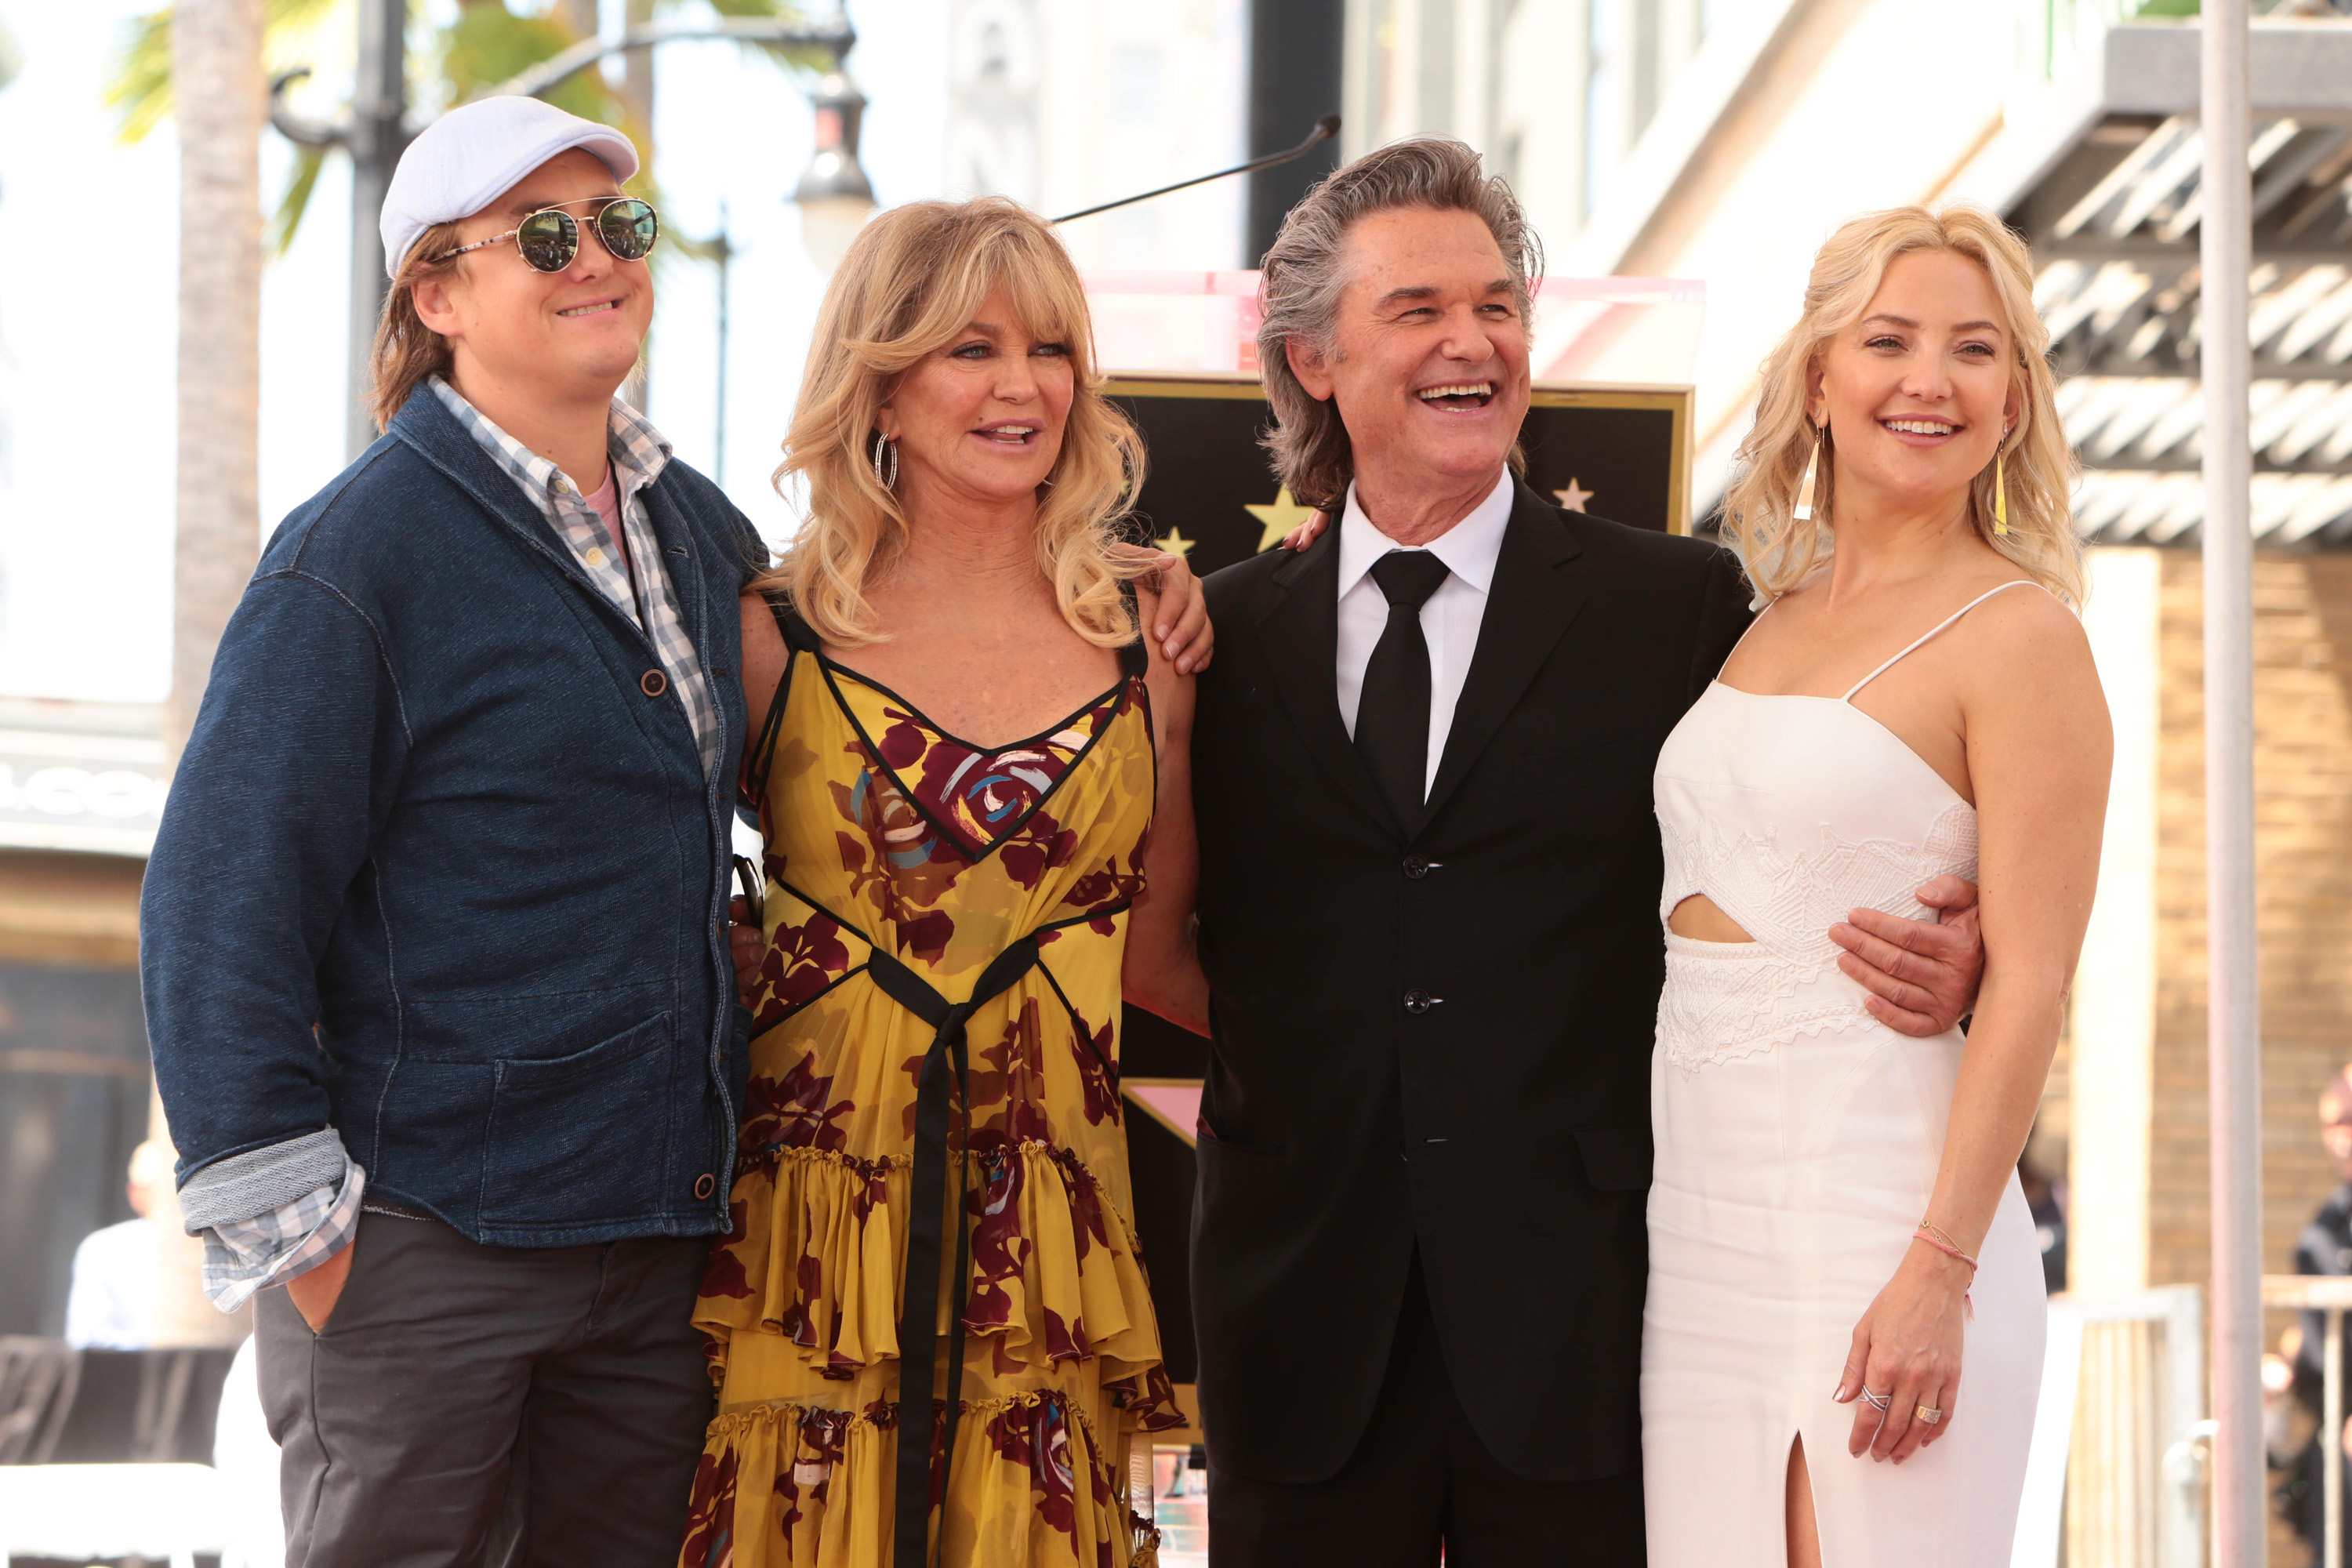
{"points": [[1574, 497], [1278, 519], [1175, 544]]}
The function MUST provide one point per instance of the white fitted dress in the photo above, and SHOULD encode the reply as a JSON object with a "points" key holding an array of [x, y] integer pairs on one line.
{"points": [[1797, 1140]]}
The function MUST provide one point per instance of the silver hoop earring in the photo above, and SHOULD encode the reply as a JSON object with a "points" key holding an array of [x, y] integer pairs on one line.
{"points": [[882, 444]]}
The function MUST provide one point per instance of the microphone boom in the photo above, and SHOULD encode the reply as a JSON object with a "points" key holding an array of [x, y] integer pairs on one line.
{"points": [[1325, 129]]}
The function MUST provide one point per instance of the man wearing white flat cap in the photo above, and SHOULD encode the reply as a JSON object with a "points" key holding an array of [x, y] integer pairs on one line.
{"points": [[432, 934]]}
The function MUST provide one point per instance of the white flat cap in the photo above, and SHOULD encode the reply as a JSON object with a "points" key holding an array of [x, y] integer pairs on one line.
{"points": [[470, 156]]}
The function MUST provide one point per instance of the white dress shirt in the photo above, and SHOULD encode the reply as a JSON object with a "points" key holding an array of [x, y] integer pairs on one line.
{"points": [[1449, 618]]}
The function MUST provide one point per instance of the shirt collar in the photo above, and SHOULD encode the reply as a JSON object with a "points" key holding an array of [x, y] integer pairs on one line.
{"points": [[638, 451], [1469, 549]]}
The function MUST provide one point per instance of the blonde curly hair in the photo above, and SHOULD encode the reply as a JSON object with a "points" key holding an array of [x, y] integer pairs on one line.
{"points": [[911, 283], [1778, 549]]}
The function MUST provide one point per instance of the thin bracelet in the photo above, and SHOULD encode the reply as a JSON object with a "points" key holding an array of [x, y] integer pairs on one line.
{"points": [[1937, 1233], [1942, 1243]]}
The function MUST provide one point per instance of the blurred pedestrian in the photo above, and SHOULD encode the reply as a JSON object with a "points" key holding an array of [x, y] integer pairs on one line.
{"points": [[112, 1303], [432, 936], [2323, 1246], [2045, 1204], [970, 778]]}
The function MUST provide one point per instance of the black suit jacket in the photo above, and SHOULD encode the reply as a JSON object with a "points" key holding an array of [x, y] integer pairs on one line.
{"points": [[1439, 1040]]}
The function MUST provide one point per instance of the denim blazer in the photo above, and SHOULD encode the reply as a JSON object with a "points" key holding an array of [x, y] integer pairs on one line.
{"points": [[440, 868]]}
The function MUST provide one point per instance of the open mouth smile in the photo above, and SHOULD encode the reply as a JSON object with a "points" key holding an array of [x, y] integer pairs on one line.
{"points": [[598, 308], [1461, 396], [1011, 433], [1918, 432]]}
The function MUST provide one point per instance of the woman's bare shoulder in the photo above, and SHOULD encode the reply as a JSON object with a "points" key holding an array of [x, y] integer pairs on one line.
{"points": [[2029, 623], [2025, 648], [759, 628], [764, 651]]}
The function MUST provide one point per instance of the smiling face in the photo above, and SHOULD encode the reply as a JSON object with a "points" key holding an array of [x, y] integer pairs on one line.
{"points": [[1428, 361], [979, 421], [1919, 391], [568, 336]]}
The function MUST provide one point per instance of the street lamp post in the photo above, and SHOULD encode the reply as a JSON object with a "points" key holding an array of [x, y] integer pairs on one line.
{"points": [[375, 132], [2233, 1022], [833, 192], [834, 196]]}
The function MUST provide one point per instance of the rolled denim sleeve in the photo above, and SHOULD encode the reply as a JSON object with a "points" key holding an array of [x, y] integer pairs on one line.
{"points": [[270, 819]]}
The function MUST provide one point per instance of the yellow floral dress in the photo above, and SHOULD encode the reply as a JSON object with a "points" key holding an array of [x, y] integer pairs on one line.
{"points": [[944, 929]]}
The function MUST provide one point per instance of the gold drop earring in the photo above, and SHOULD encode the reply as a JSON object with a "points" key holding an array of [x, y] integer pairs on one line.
{"points": [[1804, 511], [2000, 488]]}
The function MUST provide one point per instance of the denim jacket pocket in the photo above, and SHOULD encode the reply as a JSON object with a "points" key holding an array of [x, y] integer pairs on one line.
{"points": [[584, 1138]]}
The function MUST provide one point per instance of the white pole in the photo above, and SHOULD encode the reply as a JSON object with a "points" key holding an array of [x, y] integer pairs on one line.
{"points": [[2234, 1034]]}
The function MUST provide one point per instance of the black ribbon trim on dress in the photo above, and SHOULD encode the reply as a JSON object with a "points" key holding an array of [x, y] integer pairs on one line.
{"points": [[918, 1304]]}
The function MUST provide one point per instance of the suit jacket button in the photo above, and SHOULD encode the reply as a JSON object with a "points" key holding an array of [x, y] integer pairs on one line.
{"points": [[705, 1184], [653, 683], [1417, 1002], [1416, 867]]}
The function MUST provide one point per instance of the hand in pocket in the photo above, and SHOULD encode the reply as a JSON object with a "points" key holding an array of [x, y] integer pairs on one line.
{"points": [[315, 1293]]}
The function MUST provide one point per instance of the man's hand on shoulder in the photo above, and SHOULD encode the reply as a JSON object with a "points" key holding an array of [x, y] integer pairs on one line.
{"points": [[1922, 975]]}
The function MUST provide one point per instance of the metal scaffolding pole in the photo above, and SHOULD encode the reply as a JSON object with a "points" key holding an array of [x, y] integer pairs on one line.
{"points": [[2233, 1033]]}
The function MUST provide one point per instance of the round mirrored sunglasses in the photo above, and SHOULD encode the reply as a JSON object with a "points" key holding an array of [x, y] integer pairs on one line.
{"points": [[549, 239]]}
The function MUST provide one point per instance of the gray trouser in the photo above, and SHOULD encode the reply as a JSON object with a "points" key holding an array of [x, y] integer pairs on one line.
{"points": [[472, 1406]]}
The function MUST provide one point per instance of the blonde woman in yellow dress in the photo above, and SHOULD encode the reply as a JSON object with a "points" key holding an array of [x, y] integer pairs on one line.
{"points": [[932, 1293]]}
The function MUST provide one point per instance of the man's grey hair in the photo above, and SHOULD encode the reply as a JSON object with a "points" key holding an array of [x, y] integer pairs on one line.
{"points": [[1304, 278]]}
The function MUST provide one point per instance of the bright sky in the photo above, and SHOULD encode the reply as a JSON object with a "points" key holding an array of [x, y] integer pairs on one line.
{"points": [[88, 320]]}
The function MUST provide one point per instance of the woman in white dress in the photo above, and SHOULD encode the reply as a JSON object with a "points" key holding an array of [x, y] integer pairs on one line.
{"points": [[1842, 1342]]}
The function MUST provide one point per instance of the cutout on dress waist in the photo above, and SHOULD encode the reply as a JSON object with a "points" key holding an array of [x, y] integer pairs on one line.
{"points": [[1700, 918]]}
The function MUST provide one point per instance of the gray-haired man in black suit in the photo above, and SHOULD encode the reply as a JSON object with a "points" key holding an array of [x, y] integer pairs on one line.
{"points": [[1429, 879]]}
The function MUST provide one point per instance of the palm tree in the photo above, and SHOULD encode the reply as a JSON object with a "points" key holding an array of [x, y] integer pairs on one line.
{"points": [[217, 48], [216, 51], [489, 42]]}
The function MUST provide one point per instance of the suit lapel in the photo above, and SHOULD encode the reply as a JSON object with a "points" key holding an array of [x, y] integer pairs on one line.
{"points": [[1534, 598], [1300, 634]]}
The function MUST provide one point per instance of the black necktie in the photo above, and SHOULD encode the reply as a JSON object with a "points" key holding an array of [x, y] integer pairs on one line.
{"points": [[1392, 716]]}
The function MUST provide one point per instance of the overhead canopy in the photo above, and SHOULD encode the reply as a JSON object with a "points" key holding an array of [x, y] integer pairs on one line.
{"points": [[2113, 214]]}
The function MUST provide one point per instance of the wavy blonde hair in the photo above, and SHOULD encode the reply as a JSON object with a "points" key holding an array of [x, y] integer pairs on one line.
{"points": [[1777, 548], [912, 281]]}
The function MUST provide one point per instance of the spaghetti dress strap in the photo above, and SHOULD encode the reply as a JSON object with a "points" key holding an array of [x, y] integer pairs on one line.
{"points": [[799, 637], [1135, 658], [1753, 622], [1941, 627]]}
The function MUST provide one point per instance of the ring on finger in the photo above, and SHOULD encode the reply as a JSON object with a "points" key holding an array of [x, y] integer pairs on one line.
{"points": [[1878, 1402], [1929, 1414]]}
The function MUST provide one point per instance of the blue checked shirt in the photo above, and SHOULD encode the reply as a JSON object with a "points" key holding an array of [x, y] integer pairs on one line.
{"points": [[290, 1238], [242, 1255]]}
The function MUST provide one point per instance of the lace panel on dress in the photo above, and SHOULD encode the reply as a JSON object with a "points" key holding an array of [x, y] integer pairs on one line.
{"points": [[1723, 1001]]}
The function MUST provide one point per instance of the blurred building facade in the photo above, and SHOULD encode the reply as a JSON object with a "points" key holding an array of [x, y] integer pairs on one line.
{"points": [[80, 794], [1064, 104]]}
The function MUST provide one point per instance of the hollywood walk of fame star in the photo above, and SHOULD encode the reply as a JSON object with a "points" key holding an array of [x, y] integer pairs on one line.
{"points": [[1278, 519]]}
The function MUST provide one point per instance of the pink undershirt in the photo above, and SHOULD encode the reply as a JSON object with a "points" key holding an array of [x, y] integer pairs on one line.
{"points": [[607, 502]]}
